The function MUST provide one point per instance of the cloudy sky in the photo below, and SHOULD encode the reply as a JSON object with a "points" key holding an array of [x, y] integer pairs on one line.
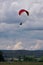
{"points": [[28, 36]]}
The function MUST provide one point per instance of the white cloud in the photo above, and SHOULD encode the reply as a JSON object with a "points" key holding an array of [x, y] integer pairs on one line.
{"points": [[38, 45], [11, 44], [17, 46]]}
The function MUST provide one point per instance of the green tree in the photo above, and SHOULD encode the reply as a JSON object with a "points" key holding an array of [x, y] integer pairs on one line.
{"points": [[41, 59], [19, 58], [1, 56], [29, 58]]}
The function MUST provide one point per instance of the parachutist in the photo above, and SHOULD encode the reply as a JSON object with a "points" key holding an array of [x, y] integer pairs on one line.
{"points": [[21, 11], [21, 23]]}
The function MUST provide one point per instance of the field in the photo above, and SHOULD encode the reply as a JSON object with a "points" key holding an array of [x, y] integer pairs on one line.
{"points": [[21, 63]]}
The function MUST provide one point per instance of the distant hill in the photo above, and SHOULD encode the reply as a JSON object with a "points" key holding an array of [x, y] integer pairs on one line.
{"points": [[17, 53]]}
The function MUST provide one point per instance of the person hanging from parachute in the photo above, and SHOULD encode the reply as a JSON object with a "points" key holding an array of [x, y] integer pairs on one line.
{"points": [[22, 11]]}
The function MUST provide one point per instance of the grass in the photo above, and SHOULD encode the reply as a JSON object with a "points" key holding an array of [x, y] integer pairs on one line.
{"points": [[21, 63]]}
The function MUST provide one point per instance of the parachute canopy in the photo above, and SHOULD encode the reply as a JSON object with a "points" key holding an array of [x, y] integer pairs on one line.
{"points": [[23, 10]]}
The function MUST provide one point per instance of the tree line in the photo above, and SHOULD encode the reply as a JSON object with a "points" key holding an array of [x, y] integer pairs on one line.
{"points": [[23, 58]]}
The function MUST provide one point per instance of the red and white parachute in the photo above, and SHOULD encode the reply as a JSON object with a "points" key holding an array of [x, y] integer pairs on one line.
{"points": [[23, 10]]}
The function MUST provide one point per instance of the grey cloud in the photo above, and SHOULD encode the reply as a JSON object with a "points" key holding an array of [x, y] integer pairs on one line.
{"points": [[32, 29], [8, 12], [30, 45]]}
